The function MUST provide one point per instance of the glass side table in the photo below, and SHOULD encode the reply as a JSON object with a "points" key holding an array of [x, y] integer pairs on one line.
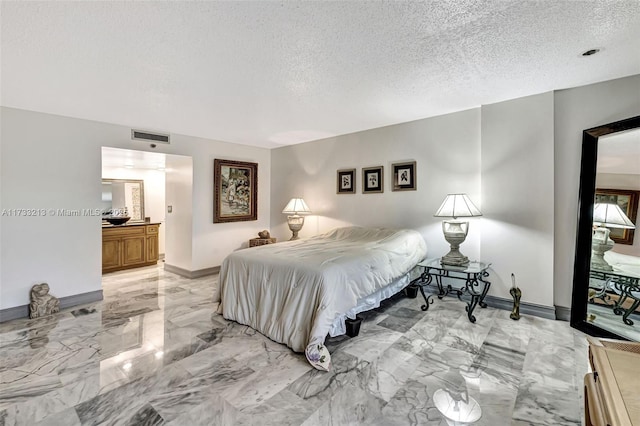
{"points": [[623, 285], [474, 276]]}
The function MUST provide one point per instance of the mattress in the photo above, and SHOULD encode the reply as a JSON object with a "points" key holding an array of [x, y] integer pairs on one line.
{"points": [[294, 292]]}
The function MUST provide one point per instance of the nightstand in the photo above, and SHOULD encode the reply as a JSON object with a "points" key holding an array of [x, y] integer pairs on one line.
{"points": [[474, 276], [261, 241]]}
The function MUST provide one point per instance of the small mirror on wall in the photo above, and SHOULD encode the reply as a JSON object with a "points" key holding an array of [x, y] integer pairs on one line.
{"points": [[123, 197]]}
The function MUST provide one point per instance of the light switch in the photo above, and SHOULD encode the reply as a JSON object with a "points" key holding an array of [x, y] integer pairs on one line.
{"points": [[169, 209]]}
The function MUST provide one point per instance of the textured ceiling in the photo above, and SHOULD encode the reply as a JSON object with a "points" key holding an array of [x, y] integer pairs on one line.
{"points": [[278, 73]]}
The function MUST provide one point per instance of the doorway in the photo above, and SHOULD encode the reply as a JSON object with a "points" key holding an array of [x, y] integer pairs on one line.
{"points": [[166, 188]]}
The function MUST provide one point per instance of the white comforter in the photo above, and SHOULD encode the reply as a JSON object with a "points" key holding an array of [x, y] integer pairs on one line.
{"points": [[292, 292]]}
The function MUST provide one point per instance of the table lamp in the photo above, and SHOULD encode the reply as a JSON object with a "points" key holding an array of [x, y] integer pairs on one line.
{"points": [[295, 208], [606, 216], [455, 231]]}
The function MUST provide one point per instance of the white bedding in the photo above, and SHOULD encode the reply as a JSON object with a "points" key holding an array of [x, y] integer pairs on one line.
{"points": [[623, 263], [293, 292]]}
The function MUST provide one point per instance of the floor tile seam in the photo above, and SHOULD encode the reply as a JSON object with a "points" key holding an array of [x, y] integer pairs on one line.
{"points": [[530, 378], [36, 378]]}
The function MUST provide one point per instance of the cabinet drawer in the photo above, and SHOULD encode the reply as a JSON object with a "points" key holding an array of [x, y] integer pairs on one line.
{"points": [[122, 231], [152, 229]]}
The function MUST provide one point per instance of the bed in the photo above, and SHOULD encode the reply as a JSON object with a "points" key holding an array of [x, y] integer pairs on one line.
{"points": [[299, 291]]}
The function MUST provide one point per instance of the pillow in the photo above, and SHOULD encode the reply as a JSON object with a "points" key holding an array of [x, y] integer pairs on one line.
{"points": [[318, 355]]}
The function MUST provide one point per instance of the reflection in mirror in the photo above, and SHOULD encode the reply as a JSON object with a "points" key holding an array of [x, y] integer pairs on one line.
{"points": [[453, 399], [606, 292], [123, 197], [614, 279]]}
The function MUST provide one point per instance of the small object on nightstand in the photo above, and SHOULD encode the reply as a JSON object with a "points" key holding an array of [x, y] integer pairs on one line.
{"points": [[264, 234], [264, 238]]}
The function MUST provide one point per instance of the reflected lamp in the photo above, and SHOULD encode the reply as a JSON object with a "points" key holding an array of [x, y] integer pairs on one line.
{"points": [[455, 231], [605, 216], [296, 208]]}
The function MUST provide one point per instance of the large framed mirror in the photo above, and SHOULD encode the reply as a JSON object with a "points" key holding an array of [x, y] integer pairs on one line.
{"points": [[121, 194], [606, 281]]}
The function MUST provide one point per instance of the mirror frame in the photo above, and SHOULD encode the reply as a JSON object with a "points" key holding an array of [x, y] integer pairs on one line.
{"points": [[586, 196], [141, 182]]}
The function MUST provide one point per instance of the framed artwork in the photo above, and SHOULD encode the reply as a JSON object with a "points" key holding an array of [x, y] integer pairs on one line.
{"points": [[628, 202], [372, 180], [346, 181], [403, 176], [235, 195]]}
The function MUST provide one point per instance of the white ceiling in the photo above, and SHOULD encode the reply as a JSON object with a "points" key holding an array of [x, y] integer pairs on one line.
{"points": [[127, 158], [278, 73]]}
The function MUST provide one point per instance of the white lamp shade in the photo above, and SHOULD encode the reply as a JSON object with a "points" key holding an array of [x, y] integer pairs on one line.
{"points": [[457, 205], [296, 206], [611, 216]]}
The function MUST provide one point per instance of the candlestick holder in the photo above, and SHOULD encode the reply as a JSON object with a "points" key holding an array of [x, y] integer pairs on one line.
{"points": [[516, 294]]}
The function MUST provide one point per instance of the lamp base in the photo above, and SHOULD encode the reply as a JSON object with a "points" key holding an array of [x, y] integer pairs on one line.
{"points": [[454, 258], [295, 223], [455, 232], [600, 244]]}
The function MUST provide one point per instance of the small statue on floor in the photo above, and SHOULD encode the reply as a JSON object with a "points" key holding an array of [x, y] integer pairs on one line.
{"points": [[264, 234], [516, 294], [42, 303]]}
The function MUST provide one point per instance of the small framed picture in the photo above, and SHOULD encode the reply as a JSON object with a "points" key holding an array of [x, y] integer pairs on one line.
{"points": [[372, 180], [404, 176], [347, 181]]}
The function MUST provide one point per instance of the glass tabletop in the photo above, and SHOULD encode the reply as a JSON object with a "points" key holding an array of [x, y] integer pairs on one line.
{"points": [[473, 267], [617, 272]]}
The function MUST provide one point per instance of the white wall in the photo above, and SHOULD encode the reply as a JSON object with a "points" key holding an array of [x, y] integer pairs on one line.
{"points": [[154, 194], [575, 110], [179, 195], [51, 161], [517, 191], [446, 149]]}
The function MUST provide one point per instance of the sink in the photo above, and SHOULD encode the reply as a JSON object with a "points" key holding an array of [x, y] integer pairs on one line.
{"points": [[117, 220]]}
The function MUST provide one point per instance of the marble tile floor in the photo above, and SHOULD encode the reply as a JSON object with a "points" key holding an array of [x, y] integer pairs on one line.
{"points": [[154, 352]]}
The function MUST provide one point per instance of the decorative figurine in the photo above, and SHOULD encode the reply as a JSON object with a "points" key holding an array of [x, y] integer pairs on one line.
{"points": [[516, 294], [264, 234], [42, 303]]}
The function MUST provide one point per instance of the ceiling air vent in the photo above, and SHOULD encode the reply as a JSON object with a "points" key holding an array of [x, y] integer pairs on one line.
{"points": [[139, 135]]}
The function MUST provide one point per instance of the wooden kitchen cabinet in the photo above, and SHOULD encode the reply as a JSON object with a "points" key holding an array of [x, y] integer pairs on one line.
{"points": [[129, 246]]}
